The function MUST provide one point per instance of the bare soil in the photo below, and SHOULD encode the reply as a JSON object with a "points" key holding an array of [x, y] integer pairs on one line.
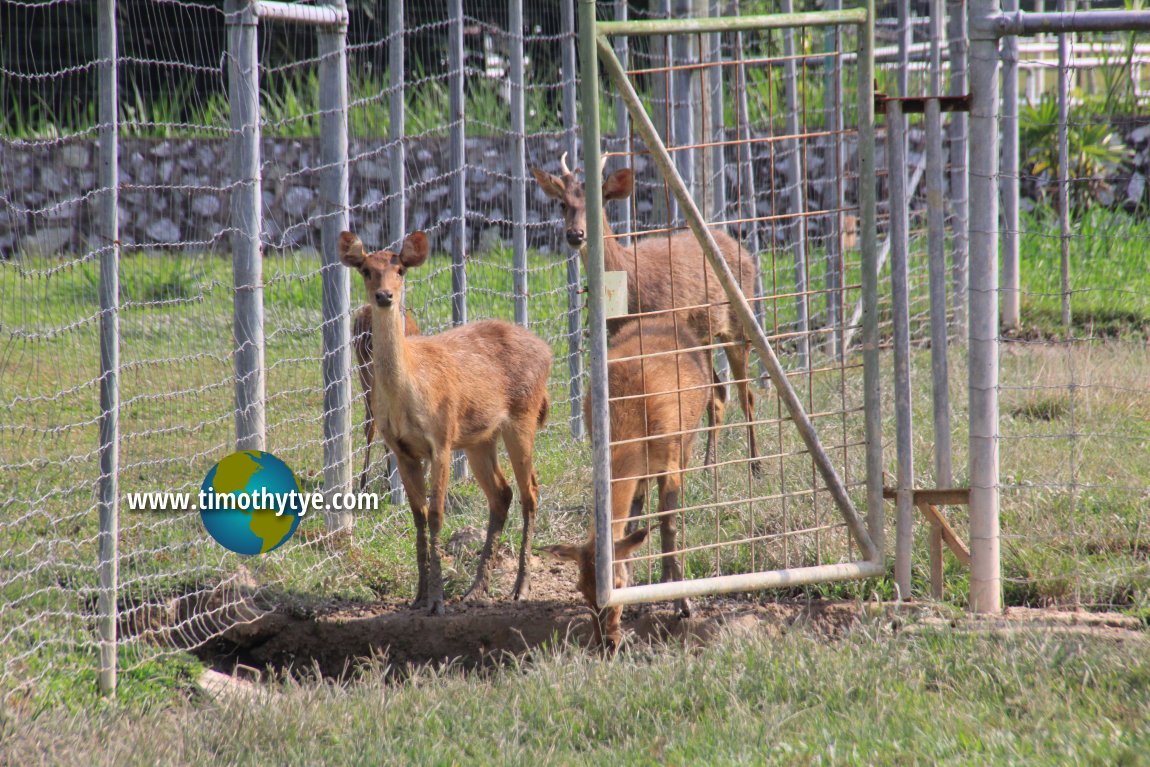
{"points": [[336, 637]]}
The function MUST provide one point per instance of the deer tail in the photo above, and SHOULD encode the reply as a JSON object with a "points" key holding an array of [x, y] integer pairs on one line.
{"points": [[544, 408]]}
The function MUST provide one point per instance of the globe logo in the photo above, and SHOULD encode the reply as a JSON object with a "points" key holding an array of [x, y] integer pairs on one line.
{"points": [[250, 502]]}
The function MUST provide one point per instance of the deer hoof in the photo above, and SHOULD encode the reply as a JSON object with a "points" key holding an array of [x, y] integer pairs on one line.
{"points": [[684, 606], [435, 607], [756, 468], [522, 590]]}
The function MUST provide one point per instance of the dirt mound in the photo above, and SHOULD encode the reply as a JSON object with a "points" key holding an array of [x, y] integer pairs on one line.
{"points": [[475, 634]]}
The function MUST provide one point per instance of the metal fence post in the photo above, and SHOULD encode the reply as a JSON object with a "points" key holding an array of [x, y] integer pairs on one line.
{"points": [[900, 309], [717, 178], [246, 202], [1009, 181], [796, 197], [518, 163], [600, 418], [833, 110], [959, 166], [683, 52], [574, 283], [872, 374], [109, 450], [1063, 166], [748, 195], [458, 194], [622, 119], [396, 162], [985, 572], [333, 191], [936, 245]]}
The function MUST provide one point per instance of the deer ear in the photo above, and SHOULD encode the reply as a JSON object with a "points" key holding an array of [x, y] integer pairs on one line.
{"points": [[552, 186], [350, 250], [414, 251], [619, 184], [624, 546], [564, 551]]}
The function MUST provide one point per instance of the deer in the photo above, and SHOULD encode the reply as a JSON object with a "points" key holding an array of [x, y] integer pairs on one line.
{"points": [[465, 388], [665, 273], [656, 403], [361, 345]]}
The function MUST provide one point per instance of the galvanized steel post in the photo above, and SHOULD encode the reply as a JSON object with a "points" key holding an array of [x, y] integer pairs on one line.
{"points": [[900, 310], [246, 202], [985, 572], [600, 411], [109, 450], [333, 192], [574, 282]]}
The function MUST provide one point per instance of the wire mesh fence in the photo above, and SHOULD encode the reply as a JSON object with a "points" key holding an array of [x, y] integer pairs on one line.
{"points": [[485, 93]]}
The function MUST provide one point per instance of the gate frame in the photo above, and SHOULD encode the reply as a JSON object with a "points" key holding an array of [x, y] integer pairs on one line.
{"points": [[596, 49]]}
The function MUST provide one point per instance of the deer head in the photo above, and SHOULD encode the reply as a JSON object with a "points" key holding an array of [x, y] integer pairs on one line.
{"points": [[568, 190], [606, 623], [383, 270]]}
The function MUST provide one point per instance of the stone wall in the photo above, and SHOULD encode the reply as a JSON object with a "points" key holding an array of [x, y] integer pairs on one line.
{"points": [[175, 192]]}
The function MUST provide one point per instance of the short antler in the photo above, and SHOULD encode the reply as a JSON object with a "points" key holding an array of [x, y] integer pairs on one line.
{"points": [[563, 165]]}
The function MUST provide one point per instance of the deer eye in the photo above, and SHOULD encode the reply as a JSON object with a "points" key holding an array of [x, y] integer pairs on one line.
{"points": [[400, 271], [563, 207], [365, 272]]}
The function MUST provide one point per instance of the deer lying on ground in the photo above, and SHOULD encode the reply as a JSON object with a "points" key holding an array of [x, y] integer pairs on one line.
{"points": [[462, 389], [361, 344], [660, 398], [668, 272]]}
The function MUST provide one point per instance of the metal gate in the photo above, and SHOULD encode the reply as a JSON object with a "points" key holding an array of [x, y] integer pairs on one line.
{"points": [[697, 117]]}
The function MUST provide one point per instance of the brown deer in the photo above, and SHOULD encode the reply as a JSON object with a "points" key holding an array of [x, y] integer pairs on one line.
{"points": [[656, 403], [361, 344], [668, 272], [464, 388]]}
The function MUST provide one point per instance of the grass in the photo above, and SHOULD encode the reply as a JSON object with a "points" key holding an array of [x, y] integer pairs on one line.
{"points": [[872, 697], [1076, 428]]}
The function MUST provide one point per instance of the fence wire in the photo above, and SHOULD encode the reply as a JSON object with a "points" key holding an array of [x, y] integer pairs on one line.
{"points": [[1076, 529]]}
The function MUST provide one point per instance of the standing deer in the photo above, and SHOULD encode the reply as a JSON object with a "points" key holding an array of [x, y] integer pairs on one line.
{"points": [[656, 403], [465, 389], [361, 343], [668, 272]]}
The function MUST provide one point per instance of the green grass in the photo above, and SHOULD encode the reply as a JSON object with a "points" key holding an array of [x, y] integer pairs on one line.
{"points": [[1109, 279], [1071, 537], [928, 696]]}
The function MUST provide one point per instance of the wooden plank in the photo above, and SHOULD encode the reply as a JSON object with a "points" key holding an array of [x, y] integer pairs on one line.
{"points": [[938, 496], [948, 535]]}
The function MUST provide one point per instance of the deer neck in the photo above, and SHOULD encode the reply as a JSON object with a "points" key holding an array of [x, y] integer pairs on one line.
{"points": [[392, 364], [614, 254]]}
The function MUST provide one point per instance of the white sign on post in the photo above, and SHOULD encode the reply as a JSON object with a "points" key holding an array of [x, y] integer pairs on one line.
{"points": [[615, 294]]}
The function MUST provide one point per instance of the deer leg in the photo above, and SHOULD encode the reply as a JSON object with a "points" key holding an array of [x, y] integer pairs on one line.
{"points": [[485, 466], [411, 472], [669, 489], [440, 477], [716, 410], [637, 504], [520, 441], [368, 435], [737, 356]]}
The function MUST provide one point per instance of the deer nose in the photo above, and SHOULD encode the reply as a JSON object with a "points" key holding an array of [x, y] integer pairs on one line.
{"points": [[384, 297], [575, 237]]}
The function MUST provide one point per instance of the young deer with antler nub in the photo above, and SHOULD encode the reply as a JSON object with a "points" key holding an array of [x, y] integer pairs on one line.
{"points": [[657, 402], [465, 389], [668, 272]]}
